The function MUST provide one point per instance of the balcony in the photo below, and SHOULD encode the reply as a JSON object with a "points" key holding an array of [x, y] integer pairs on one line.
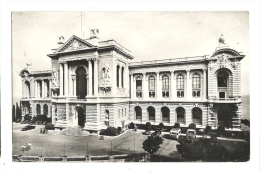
{"points": [[224, 100]]}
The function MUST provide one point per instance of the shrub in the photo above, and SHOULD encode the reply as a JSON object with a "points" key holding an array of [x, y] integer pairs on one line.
{"points": [[161, 126], [192, 126], [132, 125], [148, 126], [208, 129], [177, 125], [110, 131], [49, 126], [119, 130]]}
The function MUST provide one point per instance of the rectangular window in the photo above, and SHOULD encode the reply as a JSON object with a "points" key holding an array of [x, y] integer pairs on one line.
{"points": [[180, 94], [196, 93], [138, 94], [151, 94], [139, 84], [222, 95], [165, 93]]}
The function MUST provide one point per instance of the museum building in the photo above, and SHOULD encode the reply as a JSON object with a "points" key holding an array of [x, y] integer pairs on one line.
{"points": [[94, 84]]}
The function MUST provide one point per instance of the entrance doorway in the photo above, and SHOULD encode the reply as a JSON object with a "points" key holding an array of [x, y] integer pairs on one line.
{"points": [[81, 117]]}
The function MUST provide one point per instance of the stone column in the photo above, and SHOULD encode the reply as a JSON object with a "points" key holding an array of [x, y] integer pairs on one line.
{"points": [[132, 85], [74, 86], [96, 77], [158, 86], [70, 81], [145, 86], [173, 86], [119, 77], [36, 88], [188, 85], [90, 77], [42, 88], [204, 84], [50, 95], [66, 86], [23, 93], [61, 80], [32, 88]]}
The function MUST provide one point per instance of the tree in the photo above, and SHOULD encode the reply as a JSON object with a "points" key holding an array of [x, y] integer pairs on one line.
{"points": [[161, 126], [148, 126], [152, 143], [18, 111], [13, 113]]}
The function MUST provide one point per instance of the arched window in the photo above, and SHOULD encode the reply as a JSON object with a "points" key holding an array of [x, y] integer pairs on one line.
{"points": [[27, 89], [81, 83], [151, 86], [138, 86], [165, 86], [196, 85], [151, 113], [45, 109], [122, 77], [138, 113], [38, 109], [180, 111], [165, 114], [197, 116], [223, 78], [117, 75], [180, 86]]}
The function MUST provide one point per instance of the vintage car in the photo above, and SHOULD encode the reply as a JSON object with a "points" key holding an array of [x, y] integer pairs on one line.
{"points": [[191, 133], [147, 132], [29, 127], [175, 133]]}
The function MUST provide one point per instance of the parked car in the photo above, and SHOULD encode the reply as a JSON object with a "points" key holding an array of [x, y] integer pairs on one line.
{"points": [[175, 133], [191, 133], [147, 132], [29, 127]]}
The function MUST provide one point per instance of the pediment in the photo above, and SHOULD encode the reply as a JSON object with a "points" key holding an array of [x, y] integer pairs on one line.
{"points": [[74, 43]]}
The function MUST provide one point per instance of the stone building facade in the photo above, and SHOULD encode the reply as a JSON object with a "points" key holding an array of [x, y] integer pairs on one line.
{"points": [[94, 84]]}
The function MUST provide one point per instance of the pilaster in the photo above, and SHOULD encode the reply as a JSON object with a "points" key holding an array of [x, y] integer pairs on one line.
{"points": [[61, 80], [90, 78]]}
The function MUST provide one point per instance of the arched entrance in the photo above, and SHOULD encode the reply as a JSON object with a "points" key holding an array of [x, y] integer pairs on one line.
{"points": [[45, 109], [151, 113], [197, 116], [81, 116], [165, 114], [38, 109], [180, 111], [138, 113], [81, 83]]}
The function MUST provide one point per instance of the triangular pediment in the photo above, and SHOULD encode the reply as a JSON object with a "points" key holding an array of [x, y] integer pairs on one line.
{"points": [[74, 43]]}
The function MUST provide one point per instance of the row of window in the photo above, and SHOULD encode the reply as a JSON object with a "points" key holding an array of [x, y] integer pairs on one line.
{"points": [[196, 86], [165, 112]]}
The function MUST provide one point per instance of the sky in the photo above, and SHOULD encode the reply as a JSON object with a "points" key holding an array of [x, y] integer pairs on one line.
{"points": [[148, 35]]}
